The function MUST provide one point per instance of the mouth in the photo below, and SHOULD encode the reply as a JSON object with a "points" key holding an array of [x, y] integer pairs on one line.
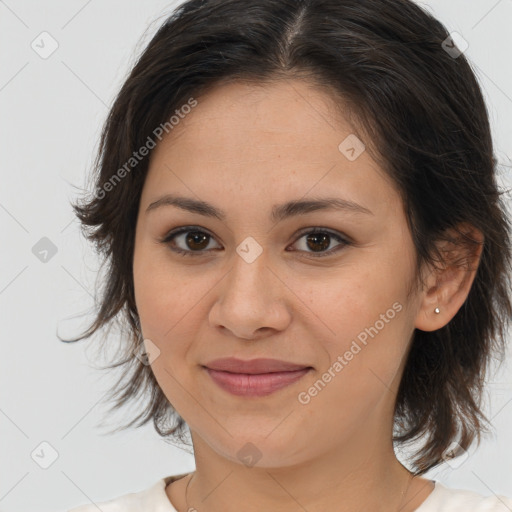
{"points": [[257, 377]]}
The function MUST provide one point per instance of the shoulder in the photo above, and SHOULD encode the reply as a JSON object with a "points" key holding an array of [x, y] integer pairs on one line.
{"points": [[153, 498], [445, 499]]}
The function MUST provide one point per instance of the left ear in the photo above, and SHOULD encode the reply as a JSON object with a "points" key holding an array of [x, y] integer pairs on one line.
{"points": [[447, 286]]}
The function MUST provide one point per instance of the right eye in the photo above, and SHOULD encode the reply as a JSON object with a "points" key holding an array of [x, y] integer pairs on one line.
{"points": [[194, 241]]}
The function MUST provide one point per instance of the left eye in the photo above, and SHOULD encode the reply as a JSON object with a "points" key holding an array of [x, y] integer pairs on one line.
{"points": [[319, 240], [197, 240]]}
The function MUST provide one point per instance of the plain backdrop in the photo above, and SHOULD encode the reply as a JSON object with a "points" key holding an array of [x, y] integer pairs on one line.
{"points": [[52, 110]]}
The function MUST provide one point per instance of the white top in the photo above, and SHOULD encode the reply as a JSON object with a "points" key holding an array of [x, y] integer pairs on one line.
{"points": [[441, 499]]}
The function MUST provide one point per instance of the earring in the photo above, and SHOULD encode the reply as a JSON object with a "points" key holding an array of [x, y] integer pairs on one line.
{"points": [[437, 310]]}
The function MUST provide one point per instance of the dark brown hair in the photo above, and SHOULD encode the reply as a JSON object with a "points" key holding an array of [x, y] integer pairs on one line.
{"points": [[419, 109]]}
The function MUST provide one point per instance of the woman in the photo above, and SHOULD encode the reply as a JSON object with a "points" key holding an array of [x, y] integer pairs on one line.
{"points": [[305, 237]]}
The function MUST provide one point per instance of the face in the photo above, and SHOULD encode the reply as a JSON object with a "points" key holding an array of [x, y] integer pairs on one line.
{"points": [[249, 285]]}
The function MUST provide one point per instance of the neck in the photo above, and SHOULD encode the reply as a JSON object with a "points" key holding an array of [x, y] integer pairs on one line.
{"points": [[362, 474]]}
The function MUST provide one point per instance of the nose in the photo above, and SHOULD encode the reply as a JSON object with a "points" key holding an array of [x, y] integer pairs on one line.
{"points": [[251, 300]]}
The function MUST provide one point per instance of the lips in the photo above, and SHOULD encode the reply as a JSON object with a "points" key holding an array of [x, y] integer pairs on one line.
{"points": [[253, 366], [257, 377]]}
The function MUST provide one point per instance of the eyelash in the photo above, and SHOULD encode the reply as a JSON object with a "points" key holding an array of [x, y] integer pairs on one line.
{"points": [[189, 229]]}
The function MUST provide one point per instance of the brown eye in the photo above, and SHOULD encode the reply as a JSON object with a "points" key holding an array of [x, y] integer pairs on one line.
{"points": [[188, 241], [317, 241], [196, 240]]}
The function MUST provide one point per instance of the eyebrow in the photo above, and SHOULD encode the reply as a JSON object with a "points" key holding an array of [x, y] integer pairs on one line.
{"points": [[278, 213]]}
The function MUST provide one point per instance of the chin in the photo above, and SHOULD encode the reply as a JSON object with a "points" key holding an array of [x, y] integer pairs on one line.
{"points": [[264, 448]]}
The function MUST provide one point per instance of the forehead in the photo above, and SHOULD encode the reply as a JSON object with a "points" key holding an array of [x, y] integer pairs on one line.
{"points": [[281, 139], [256, 117]]}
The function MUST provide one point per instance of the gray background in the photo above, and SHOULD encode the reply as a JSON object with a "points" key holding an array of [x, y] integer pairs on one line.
{"points": [[52, 112]]}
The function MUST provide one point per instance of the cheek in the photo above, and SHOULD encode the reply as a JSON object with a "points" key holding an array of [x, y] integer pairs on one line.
{"points": [[158, 295], [170, 302], [360, 377], [367, 321], [350, 305], [158, 286]]}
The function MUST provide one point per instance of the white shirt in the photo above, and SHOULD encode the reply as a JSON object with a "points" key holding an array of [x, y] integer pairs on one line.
{"points": [[441, 499]]}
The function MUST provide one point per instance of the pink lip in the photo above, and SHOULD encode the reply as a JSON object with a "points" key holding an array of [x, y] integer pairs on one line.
{"points": [[244, 384], [253, 366], [258, 377]]}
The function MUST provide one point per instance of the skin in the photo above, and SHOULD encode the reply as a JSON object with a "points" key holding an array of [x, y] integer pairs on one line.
{"points": [[244, 148]]}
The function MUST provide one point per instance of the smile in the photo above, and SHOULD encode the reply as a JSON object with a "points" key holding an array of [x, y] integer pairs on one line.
{"points": [[261, 384]]}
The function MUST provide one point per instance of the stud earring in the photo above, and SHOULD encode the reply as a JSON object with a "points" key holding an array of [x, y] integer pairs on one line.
{"points": [[437, 310]]}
